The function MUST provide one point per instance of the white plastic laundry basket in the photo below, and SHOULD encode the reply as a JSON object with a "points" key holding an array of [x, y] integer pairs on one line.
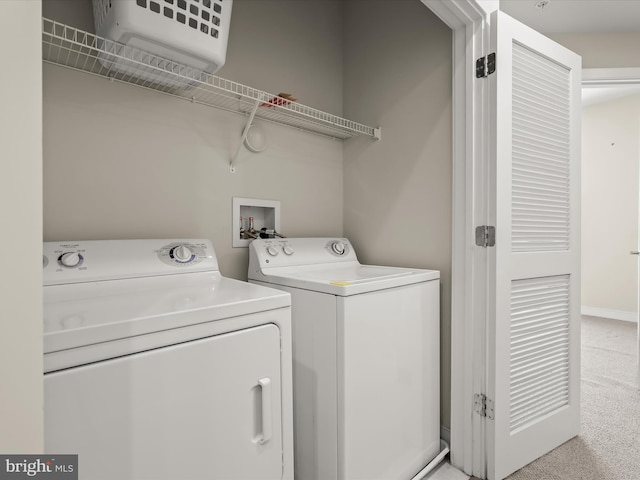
{"points": [[191, 32]]}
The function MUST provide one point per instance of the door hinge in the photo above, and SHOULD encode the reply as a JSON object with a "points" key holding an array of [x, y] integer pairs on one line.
{"points": [[485, 236], [485, 66], [483, 405]]}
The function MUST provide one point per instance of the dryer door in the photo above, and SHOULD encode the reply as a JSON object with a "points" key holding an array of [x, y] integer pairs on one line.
{"points": [[209, 408]]}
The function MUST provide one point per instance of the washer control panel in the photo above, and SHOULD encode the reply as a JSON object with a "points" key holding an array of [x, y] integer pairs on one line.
{"points": [[94, 260], [282, 252]]}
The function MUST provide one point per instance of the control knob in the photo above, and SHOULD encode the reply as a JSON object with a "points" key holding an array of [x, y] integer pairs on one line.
{"points": [[182, 254], [271, 250], [288, 250], [338, 248], [70, 259]]}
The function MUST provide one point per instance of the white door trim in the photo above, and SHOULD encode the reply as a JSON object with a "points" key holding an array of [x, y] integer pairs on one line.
{"points": [[610, 77], [468, 21]]}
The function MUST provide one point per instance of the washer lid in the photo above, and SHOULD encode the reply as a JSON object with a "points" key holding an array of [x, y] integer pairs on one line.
{"points": [[347, 278], [77, 315]]}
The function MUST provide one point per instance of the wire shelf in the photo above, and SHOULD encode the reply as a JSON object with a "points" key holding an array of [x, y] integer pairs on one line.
{"points": [[72, 48]]}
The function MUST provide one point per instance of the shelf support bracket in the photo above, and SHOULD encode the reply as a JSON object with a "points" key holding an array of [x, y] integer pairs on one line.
{"points": [[232, 167]]}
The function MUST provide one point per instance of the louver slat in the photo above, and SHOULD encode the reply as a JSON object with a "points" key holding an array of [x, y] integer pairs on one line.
{"points": [[539, 344], [541, 381], [540, 154], [546, 386]]}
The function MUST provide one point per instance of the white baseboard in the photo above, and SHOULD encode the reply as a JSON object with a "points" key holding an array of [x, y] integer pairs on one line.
{"points": [[608, 313]]}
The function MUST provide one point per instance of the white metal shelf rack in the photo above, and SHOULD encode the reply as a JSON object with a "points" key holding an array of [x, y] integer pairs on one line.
{"points": [[72, 48]]}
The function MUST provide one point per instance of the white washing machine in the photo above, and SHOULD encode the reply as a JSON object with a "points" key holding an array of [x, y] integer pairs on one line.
{"points": [[365, 359], [158, 367]]}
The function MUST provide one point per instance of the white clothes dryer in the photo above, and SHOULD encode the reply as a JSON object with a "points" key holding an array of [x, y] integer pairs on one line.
{"points": [[365, 359], [158, 367]]}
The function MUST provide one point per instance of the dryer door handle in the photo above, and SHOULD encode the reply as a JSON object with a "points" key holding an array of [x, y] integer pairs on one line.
{"points": [[267, 418]]}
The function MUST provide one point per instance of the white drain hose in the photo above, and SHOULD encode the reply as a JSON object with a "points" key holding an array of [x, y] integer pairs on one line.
{"points": [[444, 447]]}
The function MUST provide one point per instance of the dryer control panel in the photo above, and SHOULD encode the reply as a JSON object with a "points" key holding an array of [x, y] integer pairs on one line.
{"points": [[95, 260], [182, 253]]}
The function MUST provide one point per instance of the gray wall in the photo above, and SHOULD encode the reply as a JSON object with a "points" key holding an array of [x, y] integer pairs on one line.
{"points": [[21, 390], [603, 50], [124, 162], [398, 191], [292, 46]]}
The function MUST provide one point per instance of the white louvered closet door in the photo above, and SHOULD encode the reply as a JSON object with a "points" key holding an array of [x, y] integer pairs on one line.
{"points": [[534, 331]]}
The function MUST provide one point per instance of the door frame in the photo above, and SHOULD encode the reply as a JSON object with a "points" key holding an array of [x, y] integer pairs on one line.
{"points": [[610, 77], [468, 20]]}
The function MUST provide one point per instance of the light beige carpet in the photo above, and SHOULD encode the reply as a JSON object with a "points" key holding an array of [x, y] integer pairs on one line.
{"points": [[608, 447]]}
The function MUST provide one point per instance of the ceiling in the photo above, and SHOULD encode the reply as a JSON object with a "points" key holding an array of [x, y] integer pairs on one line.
{"points": [[576, 16]]}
